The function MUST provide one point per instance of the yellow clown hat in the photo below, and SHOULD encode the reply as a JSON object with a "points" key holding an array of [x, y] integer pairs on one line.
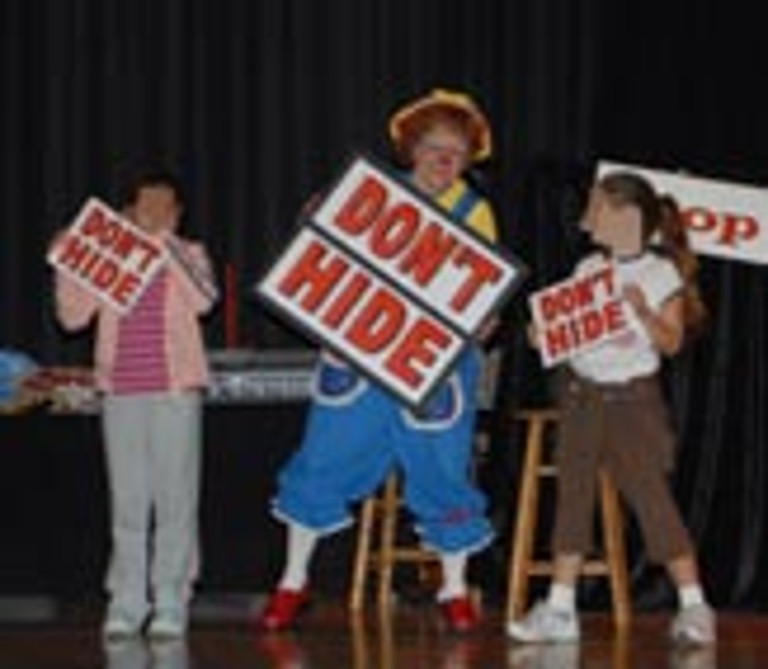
{"points": [[404, 122]]}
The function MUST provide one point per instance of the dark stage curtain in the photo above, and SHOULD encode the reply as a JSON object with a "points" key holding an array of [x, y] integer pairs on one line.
{"points": [[257, 104]]}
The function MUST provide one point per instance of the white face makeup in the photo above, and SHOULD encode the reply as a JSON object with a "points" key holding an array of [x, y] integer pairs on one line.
{"points": [[439, 157]]}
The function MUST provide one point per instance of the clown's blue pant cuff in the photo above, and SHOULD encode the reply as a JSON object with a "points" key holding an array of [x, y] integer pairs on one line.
{"points": [[323, 526], [468, 543]]}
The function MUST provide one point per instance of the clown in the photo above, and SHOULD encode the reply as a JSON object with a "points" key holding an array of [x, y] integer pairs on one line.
{"points": [[612, 411], [357, 432]]}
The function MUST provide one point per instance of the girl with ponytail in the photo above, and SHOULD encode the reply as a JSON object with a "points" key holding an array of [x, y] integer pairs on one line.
{"points": [[613, 415]]}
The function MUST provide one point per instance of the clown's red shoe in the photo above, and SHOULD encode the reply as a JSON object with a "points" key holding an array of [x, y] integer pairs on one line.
{"points": [[282, 610], [460, 614]]}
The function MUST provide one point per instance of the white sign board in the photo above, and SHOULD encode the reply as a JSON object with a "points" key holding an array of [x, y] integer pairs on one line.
{"points": [[577, 314], [108, 255], [415, 245], [389, 281]]}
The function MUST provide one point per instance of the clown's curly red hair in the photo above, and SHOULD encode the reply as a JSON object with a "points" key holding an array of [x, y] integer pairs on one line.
{"points": [[454, 110]]}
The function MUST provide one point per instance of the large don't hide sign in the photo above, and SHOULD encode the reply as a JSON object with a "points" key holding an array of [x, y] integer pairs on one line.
{"points": [[577, 314], [389, 281], [108, 255]]}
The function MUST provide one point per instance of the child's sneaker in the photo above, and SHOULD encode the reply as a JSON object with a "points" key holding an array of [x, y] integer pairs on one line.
{"points": [[170, 624], [543, 624], [119, 627], [694, 625]]}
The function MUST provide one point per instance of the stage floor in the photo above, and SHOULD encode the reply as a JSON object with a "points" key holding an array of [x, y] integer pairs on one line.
{"points": [[222, 636]]}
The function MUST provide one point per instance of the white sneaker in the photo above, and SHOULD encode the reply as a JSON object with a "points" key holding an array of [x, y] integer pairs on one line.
{"points": [[119, 627], [167, 625], [694, 625], [543, 623]]}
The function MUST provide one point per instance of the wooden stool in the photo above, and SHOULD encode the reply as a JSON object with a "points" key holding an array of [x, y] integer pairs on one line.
{"points": [[377, 548], [523, 565]]}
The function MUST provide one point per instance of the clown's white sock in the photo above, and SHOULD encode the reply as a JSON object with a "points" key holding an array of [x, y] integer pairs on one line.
{"points": [[301, 547], [454, 580]]}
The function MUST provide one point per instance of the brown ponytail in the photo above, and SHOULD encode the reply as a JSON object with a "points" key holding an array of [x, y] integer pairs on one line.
{"points": [[674, 242]]}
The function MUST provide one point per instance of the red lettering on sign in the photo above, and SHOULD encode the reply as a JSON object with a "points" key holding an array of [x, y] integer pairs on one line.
{"points": [[103, 229], [585, 328], [482, 271], [378, 323], [141, 245], [557, 341], [394, 230], [105, 274], [363, 207], [311, 274], [593, 326], [73, 252], [125, 288], [117, 236], [398, 232], [126, 244], [699, 219], [736, 228], [730, 228], [98, 269], [562, 301], [418, 348], [428, 253], [350, 297], [614, 316]]}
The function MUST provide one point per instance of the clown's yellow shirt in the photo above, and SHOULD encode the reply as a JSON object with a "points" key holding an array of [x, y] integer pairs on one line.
{"points": [[480, 218]]}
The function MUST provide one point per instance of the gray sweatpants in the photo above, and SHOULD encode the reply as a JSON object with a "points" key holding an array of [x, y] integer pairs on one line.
{"points": [[153, 455]]}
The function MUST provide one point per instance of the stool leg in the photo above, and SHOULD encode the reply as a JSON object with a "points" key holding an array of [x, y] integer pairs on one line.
{"points": [[525, 527], [360, 645], [616, 552], [387, 542], [362, 555]]}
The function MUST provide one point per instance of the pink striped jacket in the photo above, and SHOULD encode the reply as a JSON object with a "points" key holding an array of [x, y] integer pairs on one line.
{"points": [[187, 300]]}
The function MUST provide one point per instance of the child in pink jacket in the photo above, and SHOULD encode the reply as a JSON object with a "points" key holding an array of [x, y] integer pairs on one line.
{"points": [[150, 366]]}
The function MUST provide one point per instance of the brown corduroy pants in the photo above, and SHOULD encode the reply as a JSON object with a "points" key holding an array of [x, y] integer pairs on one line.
{"points": [[623, 428]]}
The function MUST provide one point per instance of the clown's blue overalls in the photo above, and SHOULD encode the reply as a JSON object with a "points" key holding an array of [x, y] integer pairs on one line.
{"points": [[357, 431]]}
